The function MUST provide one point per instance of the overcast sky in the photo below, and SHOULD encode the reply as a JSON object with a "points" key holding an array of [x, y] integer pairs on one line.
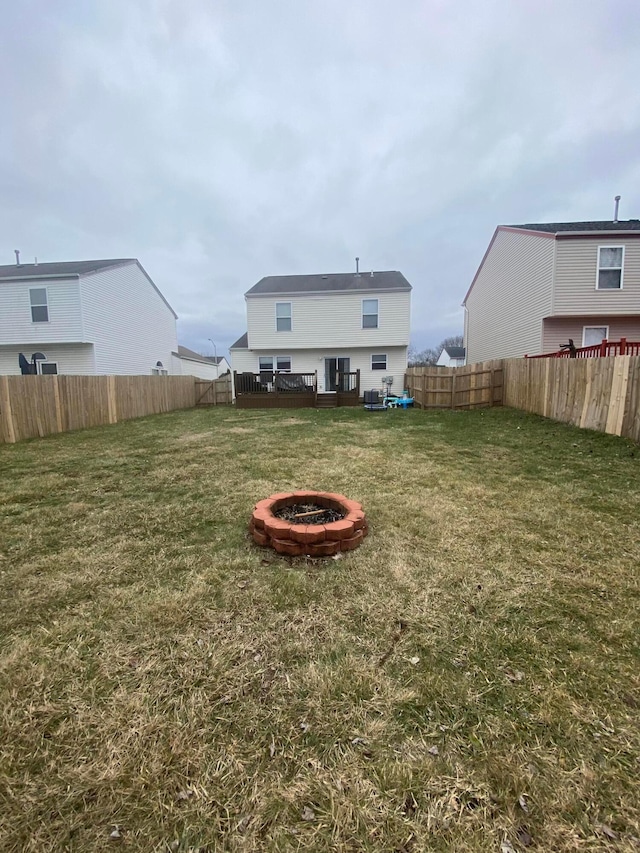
{"points": [[219, 141]]}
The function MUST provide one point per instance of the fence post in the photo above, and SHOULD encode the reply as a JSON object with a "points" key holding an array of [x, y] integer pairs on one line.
{"points": [[623, 346], [56, 398], [5, 410], [453, 390], [603, 347], [112, 408]]}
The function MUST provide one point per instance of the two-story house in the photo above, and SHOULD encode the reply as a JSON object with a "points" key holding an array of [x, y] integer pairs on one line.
{"points": [[328, 324], [540, 284], [85, 317]]}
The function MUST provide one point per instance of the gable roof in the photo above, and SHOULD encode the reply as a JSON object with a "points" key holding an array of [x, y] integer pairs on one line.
{"points": [[242, 342], [22, 272], [454, 352], [329, 282], [60, 268], [556, 227], [185, 352]]}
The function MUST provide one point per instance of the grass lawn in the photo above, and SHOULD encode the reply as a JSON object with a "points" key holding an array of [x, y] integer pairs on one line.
{"points": [[467, 680]]}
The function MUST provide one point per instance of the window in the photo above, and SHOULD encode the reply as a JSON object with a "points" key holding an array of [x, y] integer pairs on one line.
{"points": [[159, 369], [39, 306], [283, 362], [379, 362], [266, 368], [592, 335], [369, 313], [48, 368], [610, 260], [283, 316]]}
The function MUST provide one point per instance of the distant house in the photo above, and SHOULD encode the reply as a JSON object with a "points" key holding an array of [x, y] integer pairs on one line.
{"points": [[85, 317], [451, 357], [329, 324], [539, 285], [191, 363]]}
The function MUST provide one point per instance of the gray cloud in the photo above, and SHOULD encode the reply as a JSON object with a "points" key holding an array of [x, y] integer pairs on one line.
{"points": [[222, 142]]}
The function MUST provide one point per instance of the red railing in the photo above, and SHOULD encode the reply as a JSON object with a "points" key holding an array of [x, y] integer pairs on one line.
{"points": [[621, 347]]}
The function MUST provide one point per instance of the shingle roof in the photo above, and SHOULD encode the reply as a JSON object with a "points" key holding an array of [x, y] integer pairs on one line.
{"points": [[277, 284], [455, 352], [555, 227], [185, 352], [60, 268], [241, 343]]}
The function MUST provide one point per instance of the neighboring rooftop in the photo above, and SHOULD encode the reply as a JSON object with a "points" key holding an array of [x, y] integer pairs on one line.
{"points": [[241, 343], [60, 267], [185, 352], [454, 352], [277, 284], [555, 227]]}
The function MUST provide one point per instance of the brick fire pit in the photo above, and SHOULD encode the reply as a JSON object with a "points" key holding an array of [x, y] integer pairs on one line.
{"points": [[315, 540]]}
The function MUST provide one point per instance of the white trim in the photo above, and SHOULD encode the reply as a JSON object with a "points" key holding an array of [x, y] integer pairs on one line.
{"points": [[369, 314], [32, 306], [606, 336], [290, 318], [40, 373], [274, 364], [599, 268], [386, 360]]}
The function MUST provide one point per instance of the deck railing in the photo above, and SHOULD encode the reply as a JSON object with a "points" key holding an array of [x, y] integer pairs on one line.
{"points": [[348, 382], [275, 382], [601, 350]]}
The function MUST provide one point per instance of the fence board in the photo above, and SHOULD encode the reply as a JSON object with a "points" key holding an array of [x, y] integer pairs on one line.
{"points": [[32, 406]]}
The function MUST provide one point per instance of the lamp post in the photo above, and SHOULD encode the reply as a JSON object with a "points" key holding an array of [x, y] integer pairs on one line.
{"points": [[215, 352]]}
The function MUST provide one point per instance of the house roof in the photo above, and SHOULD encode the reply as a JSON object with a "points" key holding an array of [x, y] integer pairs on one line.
{"points": [[329, 282], [60, 268], [72, 268], [185, 352], [242, 342], [454, 352], [556, 227]]}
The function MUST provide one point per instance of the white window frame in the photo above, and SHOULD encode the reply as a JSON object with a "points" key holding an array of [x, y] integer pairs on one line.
{"points": [[289, 318], [45, 305], [41, 364], [159, 369], [284, 369], [386, 360], [584, 329], [369, 314], [599, 269]]}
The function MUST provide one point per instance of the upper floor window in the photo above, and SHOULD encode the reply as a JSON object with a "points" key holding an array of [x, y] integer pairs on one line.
{"points": [[610, 261], [283, 316], [369, 313], [39, 305]]}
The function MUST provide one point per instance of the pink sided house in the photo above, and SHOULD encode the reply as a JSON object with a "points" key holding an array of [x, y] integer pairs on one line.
{"points": [[539, 285]]}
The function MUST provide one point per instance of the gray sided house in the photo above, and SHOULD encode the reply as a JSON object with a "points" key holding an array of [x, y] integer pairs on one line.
{"points": [[327, 325], [540, 284], [85, 317]]}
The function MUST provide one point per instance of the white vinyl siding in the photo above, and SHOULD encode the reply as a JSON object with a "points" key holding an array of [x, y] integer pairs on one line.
{"points": [[575, 291], [72, 359], [312, 360], [64, 322], [132, 326], [510, 297], [334, 319]]}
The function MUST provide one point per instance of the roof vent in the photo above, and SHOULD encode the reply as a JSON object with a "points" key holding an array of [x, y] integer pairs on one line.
{"points": [[357, 266], [615, 210], [17, 251], [325, 277]]}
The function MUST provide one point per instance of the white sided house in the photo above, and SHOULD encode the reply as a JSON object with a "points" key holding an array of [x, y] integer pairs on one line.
{"points": [[451, 357], [85, 317], [190, 363], [541, 284], [329, 325]]}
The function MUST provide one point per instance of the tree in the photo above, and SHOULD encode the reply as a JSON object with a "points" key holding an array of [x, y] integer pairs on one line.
{"points": [[432, 354]]}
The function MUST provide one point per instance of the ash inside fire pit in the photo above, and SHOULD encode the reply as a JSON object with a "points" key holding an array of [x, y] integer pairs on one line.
{"points": [[308, 514]]}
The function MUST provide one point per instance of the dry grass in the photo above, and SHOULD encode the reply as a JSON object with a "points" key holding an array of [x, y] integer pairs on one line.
{"points": [[467, 678]]}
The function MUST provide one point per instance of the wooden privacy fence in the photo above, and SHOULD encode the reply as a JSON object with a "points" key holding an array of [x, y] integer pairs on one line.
{"points": [[32, 406], [594, 393], [469, 387], [216, 392]]}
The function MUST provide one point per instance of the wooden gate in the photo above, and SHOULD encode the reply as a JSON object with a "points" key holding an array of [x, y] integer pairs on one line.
{"points": [[213, 392]]}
